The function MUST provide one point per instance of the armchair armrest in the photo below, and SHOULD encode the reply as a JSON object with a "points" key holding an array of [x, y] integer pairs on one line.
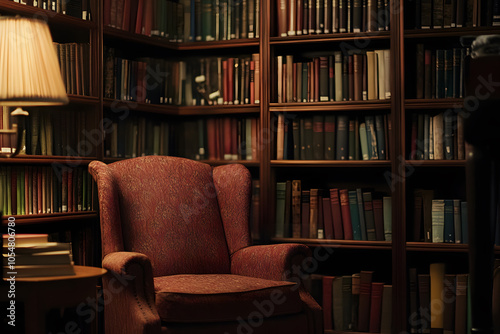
{"points": [[275, 262], [128, 292]]}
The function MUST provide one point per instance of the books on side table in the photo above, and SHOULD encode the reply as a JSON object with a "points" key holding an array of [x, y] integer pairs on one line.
{"points": [[32, 255]]}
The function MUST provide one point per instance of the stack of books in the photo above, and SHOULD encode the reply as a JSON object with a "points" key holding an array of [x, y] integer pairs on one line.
{"points": [[32, 255]]}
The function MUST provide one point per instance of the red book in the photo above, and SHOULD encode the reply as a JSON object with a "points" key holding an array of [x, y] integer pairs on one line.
{"points": [[147, 18], [376, 306], [327, 302], [126, 15], [300, 14], [327, 218], [107, 13], [346, 214], [138, 21], [338, 230], [316, 79], [365, 289], [227, 138], [378, 217]]}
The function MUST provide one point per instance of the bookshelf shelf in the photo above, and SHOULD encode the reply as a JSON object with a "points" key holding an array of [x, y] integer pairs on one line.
{"points": [[122, 106], [330, 106], [218, 110], [156, 41], [81, 99], [435, 163], [356, 244], [452, 103], [52, 217], [331, 163], [328, 38], [449, 32], [45, 159], [12, 7], [436, 247]]}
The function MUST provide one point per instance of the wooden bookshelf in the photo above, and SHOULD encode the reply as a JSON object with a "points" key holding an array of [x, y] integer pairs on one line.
{"points": [[397, 177]]}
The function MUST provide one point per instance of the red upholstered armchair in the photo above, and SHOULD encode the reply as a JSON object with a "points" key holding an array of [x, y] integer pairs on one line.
{"points": [[176, 244]]}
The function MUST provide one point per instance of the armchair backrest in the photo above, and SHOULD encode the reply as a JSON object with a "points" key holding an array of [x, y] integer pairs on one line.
{"points": [[168, 209]]}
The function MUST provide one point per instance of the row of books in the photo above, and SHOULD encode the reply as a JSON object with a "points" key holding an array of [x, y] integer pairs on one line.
{"points": [[185, 20], [212, 138], [76, 8], [74, 60], [303, 17], [439, 220], [28, 255], [54, 133], [440, 73], [437, 136], [438, 300], [353, 302], [437, 14], [340, 214], [338, 77], [200, 81], [29, 190], [333, 137]]}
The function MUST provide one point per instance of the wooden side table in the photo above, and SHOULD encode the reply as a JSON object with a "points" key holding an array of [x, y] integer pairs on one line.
{"points": [[41, 294]]}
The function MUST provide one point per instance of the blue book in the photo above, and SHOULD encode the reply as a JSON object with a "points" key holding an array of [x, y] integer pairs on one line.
{"points": [[449, 226], [457, 221], [353, 205], [448, 136]]}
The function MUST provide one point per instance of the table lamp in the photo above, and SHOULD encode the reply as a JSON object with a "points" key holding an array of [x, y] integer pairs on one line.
{"points": [[29, 74]]}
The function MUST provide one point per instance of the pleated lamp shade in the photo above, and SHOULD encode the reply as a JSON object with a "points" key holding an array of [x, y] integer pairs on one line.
{"points": [[29, 69]]}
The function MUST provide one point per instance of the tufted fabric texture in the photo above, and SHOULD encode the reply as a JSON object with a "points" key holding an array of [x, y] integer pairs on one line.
{"points": [[177, 225], [177, 247]]}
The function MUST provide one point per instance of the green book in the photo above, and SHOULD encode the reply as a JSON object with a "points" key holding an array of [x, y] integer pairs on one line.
{"points": [[363, 141], [438, 220], [353, 205]]}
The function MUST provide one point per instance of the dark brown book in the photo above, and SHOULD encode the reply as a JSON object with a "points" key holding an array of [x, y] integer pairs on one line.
{"points": [[437, 14], [318, 136], [358, 77], [365, 290], [299, 17], [369, 216], [449, 299], [296, 208], [424, 297], [427, 197], [414, 317], [288, 209], [417, 218], [327, 302], [346, 214], [338, 229], [461, 303], [305, 199], [327, 218], [419, 71]]}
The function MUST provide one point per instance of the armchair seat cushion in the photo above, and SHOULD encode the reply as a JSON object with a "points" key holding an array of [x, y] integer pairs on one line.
{"points": [[223, 297]]}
